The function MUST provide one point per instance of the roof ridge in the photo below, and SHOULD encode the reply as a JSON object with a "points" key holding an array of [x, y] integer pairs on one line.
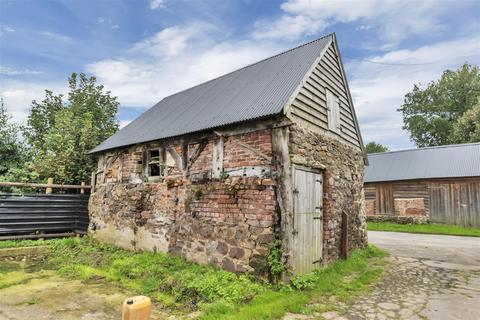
{"points": [[428, 148], [250, 65]]}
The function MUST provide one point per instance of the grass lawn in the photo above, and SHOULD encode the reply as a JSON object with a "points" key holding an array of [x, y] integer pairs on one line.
{"points": [[425, 228], [181, 287], [25, 243]]}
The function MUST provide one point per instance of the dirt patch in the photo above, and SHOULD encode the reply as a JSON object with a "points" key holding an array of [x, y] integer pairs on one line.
{"points": [[30, 293]]}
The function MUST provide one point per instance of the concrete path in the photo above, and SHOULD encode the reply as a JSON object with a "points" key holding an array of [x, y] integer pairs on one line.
{"points": [[432, 277]]}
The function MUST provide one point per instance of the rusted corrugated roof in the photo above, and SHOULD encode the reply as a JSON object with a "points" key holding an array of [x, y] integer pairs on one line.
{"points": [[256, 91], [461, 160]]}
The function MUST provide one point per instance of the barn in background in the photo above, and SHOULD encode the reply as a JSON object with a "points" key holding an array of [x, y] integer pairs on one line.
{"points": [[441, 184], [269, 155]]}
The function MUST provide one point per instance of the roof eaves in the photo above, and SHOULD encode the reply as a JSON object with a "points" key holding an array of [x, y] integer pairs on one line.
{"points": [[273, 115], [425, 148]]}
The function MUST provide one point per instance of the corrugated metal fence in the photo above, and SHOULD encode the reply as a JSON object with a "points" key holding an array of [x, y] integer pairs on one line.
{"points": [[43, 214]]}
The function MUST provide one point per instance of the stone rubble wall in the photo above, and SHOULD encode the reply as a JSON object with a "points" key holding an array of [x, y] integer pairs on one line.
{"points": [[228, 222], [343, 185]]}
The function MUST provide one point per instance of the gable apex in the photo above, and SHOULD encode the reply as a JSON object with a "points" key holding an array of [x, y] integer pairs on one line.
{"points": [[256, 91]]}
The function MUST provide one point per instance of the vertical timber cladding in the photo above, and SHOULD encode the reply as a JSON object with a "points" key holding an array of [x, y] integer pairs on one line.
{"points": [[455, 202], [308, 219]]}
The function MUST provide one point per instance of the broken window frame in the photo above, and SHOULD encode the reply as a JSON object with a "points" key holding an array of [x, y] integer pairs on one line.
{"points": [[158, 161]]}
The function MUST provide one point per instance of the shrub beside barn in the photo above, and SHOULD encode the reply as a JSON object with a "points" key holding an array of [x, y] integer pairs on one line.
{"points": [[218, 173]]}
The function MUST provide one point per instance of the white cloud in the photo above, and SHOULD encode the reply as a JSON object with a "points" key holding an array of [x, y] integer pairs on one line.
{"points": [[168, 66], [6, 29], [171, 41], [13, 72], [378, 89], [157, 4], [288, 27], [18, 96], [56, 36], [394, 20]]}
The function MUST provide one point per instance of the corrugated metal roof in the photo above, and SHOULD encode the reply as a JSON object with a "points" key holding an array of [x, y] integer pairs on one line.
{"points": [[461, 160], [256, 91]]}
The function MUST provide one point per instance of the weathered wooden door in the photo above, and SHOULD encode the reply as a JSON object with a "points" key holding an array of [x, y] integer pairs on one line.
{"points": [[308, 219]]}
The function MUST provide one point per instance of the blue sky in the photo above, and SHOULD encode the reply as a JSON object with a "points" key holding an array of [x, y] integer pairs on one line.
{"points": [[145, 50]]}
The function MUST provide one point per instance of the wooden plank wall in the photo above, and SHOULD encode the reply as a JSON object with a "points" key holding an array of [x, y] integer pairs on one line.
{"points": [[450, 201], [456, 203], [384, 199], [309, 107]]}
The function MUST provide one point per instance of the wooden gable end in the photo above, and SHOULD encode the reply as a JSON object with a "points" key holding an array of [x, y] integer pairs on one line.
{"points": [[322, 90]]}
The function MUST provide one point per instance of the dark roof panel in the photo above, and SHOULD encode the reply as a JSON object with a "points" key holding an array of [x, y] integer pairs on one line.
{"points": [[462, 160], [256, 91]]}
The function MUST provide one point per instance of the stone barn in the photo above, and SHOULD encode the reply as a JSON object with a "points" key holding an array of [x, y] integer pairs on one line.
{"points": [[219, 173], [438, 184]]}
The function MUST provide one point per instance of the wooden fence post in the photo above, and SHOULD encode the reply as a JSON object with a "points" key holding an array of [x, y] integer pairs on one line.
{"points": [[82, 190], [49, 190]]}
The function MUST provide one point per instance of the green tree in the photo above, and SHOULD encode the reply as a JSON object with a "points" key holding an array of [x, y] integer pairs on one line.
{"points": [[62, 133], [14, 158], [374, 147], [430, 113], [10, 149], [467, 128]]}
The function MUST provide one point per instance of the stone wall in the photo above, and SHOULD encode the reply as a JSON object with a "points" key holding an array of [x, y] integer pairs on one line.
{"points": [[343, 168], [227, 221]]}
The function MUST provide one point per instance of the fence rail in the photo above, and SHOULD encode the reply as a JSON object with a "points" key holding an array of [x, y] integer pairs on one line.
{"points": [[49, 186], [42, 214]]}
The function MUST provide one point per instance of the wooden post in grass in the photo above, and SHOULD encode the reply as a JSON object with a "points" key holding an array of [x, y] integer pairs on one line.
{"points": [[49, 190]]}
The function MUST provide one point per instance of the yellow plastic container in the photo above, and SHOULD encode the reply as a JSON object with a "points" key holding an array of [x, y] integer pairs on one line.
{"points": [[137, 308]]}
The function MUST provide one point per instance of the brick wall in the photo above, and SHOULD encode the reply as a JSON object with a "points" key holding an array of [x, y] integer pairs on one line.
{"points": [[235, 156], [227, 222], [409, 207]]}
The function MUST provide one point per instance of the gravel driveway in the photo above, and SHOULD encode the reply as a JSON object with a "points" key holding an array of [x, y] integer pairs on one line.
{"points": [[431, 277]]}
